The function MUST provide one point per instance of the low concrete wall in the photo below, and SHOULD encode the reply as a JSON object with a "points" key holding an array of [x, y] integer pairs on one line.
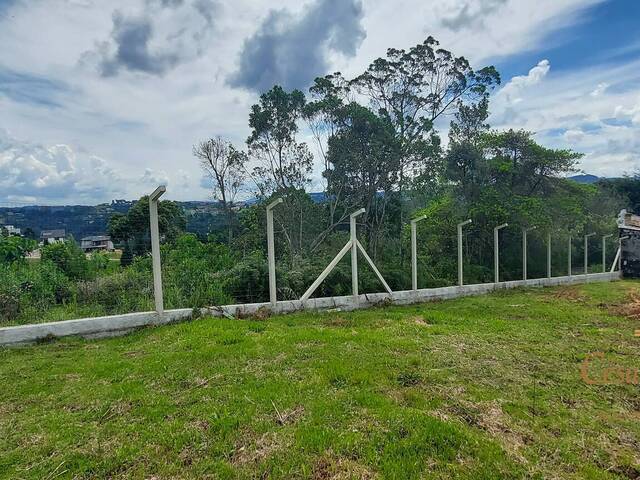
{"points": [[121, 324]]}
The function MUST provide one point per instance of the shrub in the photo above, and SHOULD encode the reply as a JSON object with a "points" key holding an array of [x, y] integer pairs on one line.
{"points": [[69, 258], [32, 288], [192, 273], [248, 279], [127, 291], [14, 248]]}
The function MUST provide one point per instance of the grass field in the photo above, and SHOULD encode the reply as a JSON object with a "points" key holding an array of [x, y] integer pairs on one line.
{"points": [[484, 387]]}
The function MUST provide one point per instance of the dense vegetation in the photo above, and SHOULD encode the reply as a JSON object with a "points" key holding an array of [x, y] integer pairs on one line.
{"points": [[479, 388], [378, 141]]}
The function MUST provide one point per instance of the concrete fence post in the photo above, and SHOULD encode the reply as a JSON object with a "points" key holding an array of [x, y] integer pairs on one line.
{"points": [[524, 251], [353, 244], [604, 251], [549, 255], [460, 273], [586, 252], [354, 252], [155, 248], [414, 253], [496, 252], [273, 295]]}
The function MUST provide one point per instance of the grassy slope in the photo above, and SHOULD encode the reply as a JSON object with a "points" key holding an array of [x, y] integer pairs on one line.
{"points": [[484, 387]]}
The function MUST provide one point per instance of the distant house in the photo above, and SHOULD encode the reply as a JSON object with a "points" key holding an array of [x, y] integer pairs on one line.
{"points": [[11, 230], [96, 243], [48, 237]]}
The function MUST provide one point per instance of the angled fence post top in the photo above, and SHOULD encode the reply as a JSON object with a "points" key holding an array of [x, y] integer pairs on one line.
{"points": [[418, 219], [155, 248], [275, 203], [500, 227], [157, 193], [528, 229], [357, 212], [587, 235], [466, 222]]}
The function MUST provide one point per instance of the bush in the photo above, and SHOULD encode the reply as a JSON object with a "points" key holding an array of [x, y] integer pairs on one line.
{"points": [[32, 288], [192, 273], [14, 248], [69, 258], [248, 279], [128, 291]]}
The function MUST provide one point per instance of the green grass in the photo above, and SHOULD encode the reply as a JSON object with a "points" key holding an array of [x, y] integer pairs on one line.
{"points": [[483, 387]]}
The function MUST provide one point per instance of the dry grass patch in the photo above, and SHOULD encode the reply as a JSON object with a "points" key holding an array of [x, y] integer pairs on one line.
{"points": [[332, 468]]}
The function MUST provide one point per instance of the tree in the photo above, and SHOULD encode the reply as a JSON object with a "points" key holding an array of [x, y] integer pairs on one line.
{"points": [[628, 186], [470, 122], [414, 88], [68, 257], [14, 248], [283, 162], [325, 116], [133, 227], [464, 163], [225, 166], [29, 233], [363, 155], [284, 165]]}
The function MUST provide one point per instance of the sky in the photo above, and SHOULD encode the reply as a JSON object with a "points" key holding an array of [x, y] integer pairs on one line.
{"points": [[104, 100]]}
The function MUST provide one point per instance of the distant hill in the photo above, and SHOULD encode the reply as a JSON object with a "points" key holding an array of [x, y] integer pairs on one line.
{"points": [[585, 178], [82, 220]]}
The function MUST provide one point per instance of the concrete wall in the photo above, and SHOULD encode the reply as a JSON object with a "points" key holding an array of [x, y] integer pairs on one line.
{"points": [[121, 324]]}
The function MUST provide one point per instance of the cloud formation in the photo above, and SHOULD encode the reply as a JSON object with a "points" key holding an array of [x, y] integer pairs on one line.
{"points": [[513, 89], [564, 112], [53, 174], [291, 51], [471, 15], [165, 34]]}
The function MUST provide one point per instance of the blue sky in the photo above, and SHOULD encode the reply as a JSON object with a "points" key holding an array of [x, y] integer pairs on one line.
{"points": [[103, 100], [604, 32]]}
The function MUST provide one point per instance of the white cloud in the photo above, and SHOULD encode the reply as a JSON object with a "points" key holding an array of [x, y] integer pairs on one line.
{"points": [[573, 136], [600, 89], [137, 120], [563, 113], [632, 113], [151, 178], [53, 174], [513, 90]]}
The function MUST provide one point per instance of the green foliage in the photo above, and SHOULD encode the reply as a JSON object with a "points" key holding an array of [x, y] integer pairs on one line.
{"points": [[14, 248], [69, 258], [627, 189], [127, 255], [247, 280], [27, 290], [283, 162], [133, 227], [194, 273], [130, 290]]}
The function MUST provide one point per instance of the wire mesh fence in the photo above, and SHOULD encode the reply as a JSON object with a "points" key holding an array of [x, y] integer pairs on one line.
{"points": [[104, 275]]}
